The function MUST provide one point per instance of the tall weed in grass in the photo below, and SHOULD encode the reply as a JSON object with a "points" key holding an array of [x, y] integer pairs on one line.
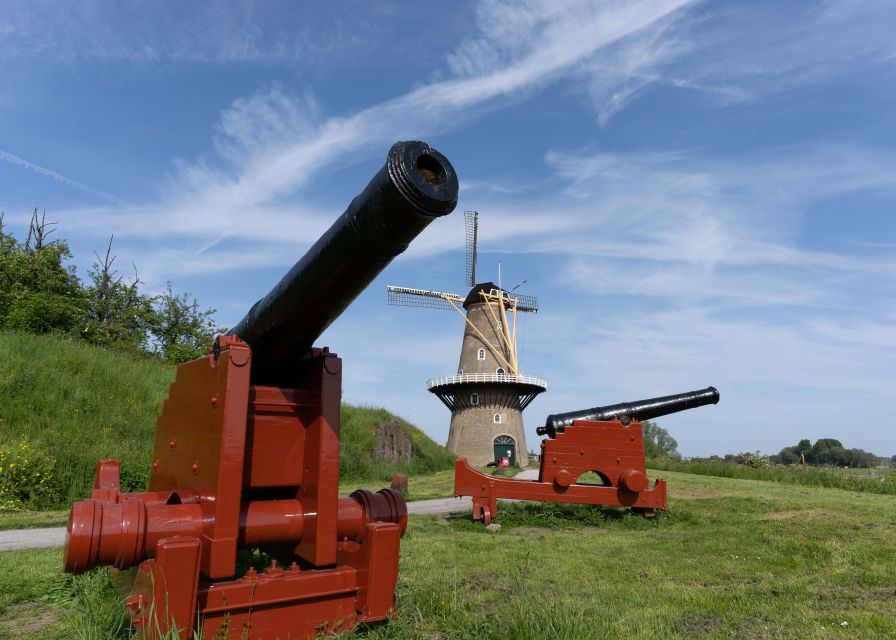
{"points": [[872, 481], [94, 609]]}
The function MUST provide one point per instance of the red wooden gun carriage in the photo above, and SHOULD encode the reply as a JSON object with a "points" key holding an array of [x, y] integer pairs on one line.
{"points": [[607, 441], [247, 453]]}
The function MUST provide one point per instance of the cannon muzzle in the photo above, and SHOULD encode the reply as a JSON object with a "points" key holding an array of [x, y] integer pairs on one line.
{"points": [[416, 185], [637, 410]]}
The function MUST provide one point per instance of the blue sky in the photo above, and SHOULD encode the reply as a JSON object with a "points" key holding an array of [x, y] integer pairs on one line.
{"points": [[698, 192]]}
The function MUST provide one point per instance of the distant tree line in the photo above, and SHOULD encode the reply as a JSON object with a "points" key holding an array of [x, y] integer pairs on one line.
{"points": [[826, 451], [39, 293]]}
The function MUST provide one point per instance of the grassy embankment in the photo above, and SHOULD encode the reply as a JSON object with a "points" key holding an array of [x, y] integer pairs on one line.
{"points": [[732, 558], [73, 404]]}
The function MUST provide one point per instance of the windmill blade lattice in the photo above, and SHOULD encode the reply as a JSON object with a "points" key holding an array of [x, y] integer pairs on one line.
{"points": [[471, 227], [527, 304], [406, 297]]}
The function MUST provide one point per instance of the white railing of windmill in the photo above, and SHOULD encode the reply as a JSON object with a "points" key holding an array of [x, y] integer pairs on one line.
{"points": [[465, 378]]}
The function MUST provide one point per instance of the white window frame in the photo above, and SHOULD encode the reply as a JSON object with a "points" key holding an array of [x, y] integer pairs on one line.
{"points": [[474, 399], [480, 355], [497, 418]]}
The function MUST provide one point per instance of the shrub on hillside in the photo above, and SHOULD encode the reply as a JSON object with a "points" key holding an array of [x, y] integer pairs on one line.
{"points": [[26, 478], [39, 293]]}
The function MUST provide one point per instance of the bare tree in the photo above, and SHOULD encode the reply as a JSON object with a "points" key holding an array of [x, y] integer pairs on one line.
{"points": [[107, 279], [38, 231]]}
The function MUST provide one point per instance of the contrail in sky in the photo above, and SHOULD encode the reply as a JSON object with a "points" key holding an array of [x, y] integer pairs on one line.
{"points": [[16, 160]]}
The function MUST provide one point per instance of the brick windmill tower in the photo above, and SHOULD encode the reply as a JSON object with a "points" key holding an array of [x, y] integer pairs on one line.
{"points": [[488, 393]]}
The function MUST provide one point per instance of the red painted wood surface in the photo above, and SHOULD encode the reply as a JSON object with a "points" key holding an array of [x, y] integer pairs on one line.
{"points": [[612, 449], [239, 466]]}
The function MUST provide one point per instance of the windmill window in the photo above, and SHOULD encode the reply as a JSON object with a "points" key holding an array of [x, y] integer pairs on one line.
{"points": [[500, 371], [497, 418], [474, 399], [481, 355], [460, 372]]}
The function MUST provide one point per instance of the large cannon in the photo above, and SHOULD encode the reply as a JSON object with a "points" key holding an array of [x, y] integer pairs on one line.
{"points": [[246, 453], [606, 441]]}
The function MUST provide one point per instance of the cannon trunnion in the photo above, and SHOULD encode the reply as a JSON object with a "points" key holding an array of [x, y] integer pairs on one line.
{"points": [[246, 454], [607, 441]]}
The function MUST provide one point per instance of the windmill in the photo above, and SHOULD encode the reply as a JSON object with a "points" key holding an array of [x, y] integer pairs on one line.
{"points": [[489, 392]]}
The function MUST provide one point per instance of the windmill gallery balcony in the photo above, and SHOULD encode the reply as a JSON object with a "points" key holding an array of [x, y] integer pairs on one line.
{"points": [[456, 391]]}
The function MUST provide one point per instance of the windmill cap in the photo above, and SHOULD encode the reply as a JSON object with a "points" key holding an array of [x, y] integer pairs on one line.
{"points": [[474, 298]]}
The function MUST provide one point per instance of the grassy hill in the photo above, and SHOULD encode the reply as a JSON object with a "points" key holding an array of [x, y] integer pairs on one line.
{"points": [[65, 404]]}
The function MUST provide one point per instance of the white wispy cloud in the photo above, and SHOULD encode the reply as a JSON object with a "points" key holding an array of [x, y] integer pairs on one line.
{"points": [[272, 143], [210, 32], [742, 52]]}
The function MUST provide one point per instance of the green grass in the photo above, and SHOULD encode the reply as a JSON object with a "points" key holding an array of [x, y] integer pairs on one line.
{"points": [[871, 480], [33, 519], [732, 558], [78, 403], [74, 403], [25, 579], [357, 428]]}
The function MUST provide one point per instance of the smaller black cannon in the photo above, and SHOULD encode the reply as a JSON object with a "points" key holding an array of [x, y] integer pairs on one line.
{"points": [[604, 441], [637, 410]]}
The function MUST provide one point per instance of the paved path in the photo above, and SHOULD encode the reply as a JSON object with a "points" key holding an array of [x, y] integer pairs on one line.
{"points": [[32, 538], [55, 536]]}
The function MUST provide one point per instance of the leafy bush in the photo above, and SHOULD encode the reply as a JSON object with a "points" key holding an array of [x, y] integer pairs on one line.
{"points": [[26, 477], [40, 294]]}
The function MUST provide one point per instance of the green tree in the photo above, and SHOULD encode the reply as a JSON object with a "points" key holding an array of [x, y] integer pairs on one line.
{"points": [[116, 313], [180, 331], [825, 451], [658, 443], [38, 292]]}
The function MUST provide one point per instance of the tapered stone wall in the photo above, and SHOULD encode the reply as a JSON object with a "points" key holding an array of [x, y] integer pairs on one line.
{"points": [[473, 428]]}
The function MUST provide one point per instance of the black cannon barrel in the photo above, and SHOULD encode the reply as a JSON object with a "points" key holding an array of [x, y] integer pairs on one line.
{"points": [[637, 410], [416, 185]]}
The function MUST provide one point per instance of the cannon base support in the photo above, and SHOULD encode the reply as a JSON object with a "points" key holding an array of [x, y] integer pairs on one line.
{"points": [[613, 450], [238, 466], [279, 602]]}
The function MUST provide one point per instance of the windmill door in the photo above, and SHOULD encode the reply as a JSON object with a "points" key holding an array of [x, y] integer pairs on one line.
{"points": [[505, 447]]}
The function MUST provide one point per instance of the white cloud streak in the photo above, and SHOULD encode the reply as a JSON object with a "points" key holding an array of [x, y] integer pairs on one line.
{"points": [[272, 143], [25, 164]]}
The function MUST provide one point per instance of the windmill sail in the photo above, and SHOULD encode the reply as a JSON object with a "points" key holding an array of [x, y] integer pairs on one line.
{"points": [[406, 297], [528, 304], [471, 227]]}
